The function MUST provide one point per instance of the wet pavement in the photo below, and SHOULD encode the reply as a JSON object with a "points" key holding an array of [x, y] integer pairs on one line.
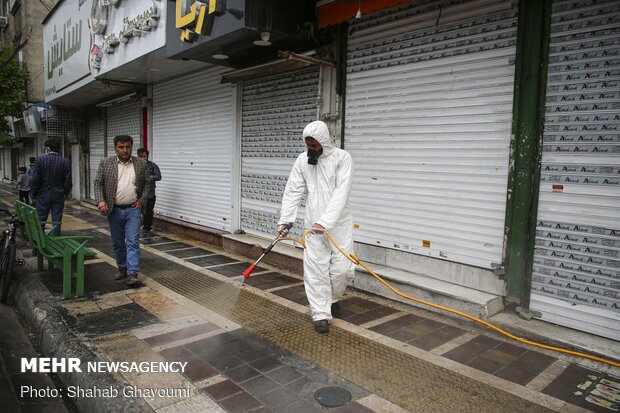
{"points": [[253, 348]]}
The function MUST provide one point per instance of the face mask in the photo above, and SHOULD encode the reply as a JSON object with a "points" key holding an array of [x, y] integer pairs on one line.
{"points": [[313, 156]]}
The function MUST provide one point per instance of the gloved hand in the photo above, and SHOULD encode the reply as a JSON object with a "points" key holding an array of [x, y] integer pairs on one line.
{"points": [[283, 230]]}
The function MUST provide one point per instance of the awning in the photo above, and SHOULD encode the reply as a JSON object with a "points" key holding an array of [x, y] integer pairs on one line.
{"points": [[290, 61], [336, 11]]}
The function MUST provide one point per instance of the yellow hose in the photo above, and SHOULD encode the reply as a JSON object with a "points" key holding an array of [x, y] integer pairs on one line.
{"points": [[356, 261]]}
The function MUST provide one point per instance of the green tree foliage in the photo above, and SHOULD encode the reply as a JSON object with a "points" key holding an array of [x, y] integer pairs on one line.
{"points": [[13, 77]]}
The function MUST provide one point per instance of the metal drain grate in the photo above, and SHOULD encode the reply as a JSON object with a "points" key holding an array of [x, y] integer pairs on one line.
{"points": [[332, 396]]}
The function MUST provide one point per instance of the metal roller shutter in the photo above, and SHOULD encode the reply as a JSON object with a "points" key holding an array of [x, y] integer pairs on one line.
{"points": [[192, 145], [576, 271], [428, 122], [95, 135], [124, 118], [274, 113]]}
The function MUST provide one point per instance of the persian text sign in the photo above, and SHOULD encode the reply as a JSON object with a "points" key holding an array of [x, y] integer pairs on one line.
{"points": [[196, 18], [66, 46], [132, 30]]}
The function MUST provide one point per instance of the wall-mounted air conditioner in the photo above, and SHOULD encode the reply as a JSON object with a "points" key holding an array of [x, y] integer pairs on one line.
{"points": [[4, 21]]}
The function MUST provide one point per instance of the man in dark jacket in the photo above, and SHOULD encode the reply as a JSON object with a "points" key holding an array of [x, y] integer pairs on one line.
{"points": [[51, 182], [147, 210]]}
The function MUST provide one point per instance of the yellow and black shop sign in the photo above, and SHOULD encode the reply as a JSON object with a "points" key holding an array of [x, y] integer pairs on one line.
{"points": [[195, 18]]}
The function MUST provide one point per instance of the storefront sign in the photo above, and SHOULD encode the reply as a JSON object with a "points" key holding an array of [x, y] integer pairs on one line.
{"points": [[124, 31], [66, 46]]}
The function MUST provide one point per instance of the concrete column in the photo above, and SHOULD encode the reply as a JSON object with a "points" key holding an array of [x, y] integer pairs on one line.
{"points": [[76, 170]]}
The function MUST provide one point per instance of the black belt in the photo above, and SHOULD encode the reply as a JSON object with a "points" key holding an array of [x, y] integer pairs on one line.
{"points": [[124, 206]]}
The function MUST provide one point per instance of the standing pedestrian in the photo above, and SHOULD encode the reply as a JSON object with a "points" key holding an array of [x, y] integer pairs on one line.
{"points": [[23, 185], [122, 185], [30, 167], [50, 183], [155, 174], [325, 173], [29, 172]]}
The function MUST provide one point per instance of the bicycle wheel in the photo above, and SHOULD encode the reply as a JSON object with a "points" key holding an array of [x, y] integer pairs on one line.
{"points": [[7, 267]]}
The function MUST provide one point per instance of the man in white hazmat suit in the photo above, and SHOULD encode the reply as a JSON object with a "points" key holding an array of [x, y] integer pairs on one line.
{"points": [[325, 172]]}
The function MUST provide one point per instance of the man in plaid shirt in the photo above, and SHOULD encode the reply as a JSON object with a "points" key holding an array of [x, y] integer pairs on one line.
{"points": [[51, 182], [122, 186]]}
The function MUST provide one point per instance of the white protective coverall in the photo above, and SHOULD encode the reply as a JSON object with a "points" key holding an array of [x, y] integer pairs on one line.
{"points": [[326, 270]]}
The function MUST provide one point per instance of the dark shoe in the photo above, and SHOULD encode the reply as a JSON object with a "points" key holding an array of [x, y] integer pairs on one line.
{"points": [[336, 311], [321, 326], [132, 279], [121, 274]]}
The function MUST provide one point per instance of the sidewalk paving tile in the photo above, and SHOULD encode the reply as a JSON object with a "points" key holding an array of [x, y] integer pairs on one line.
{"points": [[242, 373], [418, 331], [159, 305], [198, 369], [396, 324], [211, 260], [223, 390], [360, 311], [297, 294], [301, 406], [269, 280], [278, 398], [501, 359], [266, 364], [190, 252], [115, 319], [226, 362], [259, 385], [178, 353], [181, 334], [586, 388], [472, 349], [155, 240], [233, 270], [240, 403], [438, 337], [171, 246], [352, 407], [284, 375]]}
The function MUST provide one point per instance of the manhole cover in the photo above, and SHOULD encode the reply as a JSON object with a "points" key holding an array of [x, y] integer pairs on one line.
{"points": [[332, 396]]}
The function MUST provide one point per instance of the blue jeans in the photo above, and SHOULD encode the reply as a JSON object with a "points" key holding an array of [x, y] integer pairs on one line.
{"points": [[51, 200], [125, 231]]}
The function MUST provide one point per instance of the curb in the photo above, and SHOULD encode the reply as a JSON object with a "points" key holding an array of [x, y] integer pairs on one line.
{"points": [[36, 304]]}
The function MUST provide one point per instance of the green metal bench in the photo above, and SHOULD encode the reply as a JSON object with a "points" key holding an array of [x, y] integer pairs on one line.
{"points": [[66, 252]]}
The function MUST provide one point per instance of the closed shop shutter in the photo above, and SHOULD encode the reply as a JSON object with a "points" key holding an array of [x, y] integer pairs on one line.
{"points": [[576, 270], [124, 118], [274, 113], [192, 145], [428, 123], [96, 151]]}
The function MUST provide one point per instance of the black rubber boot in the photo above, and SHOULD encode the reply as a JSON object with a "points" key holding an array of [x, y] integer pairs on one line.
{"points": [[321, 326], [336, 311]]}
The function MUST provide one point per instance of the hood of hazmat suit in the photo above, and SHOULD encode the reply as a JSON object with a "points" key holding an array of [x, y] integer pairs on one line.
{"points": [[328, 184]]}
